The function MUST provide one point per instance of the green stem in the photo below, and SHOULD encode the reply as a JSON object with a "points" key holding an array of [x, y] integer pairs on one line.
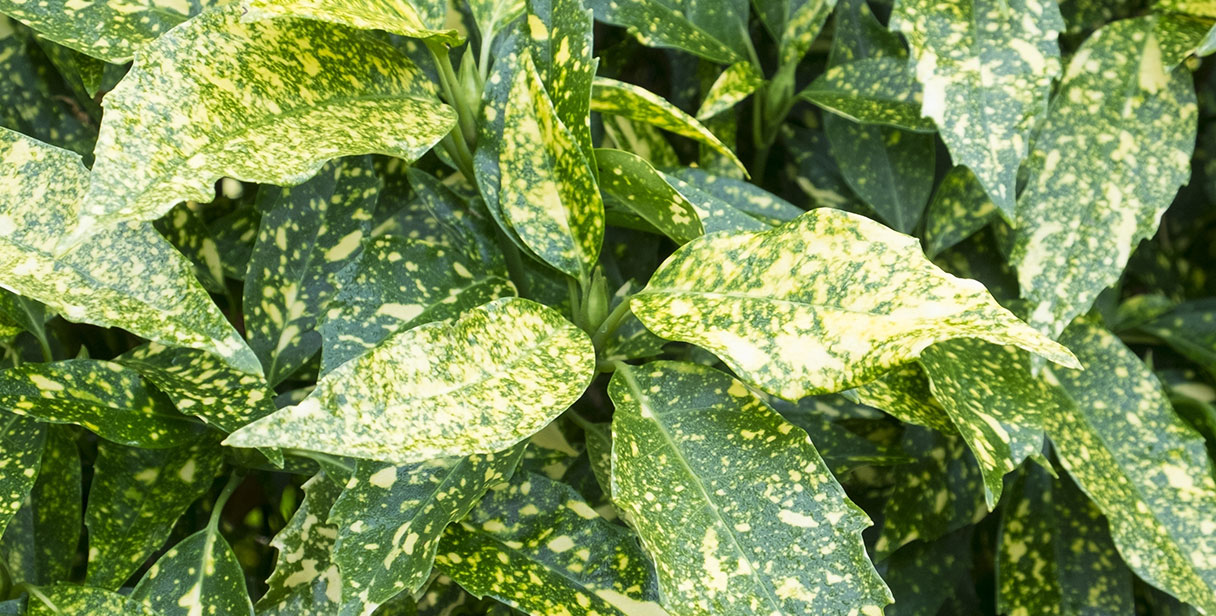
{"points": [[37, 594], [459, 151], [611, 323], [234, 482], [515, 263], [37, 318], [483, 60], [451, 89], [573, 290]]}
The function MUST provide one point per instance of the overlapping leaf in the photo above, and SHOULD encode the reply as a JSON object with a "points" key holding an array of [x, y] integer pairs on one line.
{"points": [[112, 31], [1190, 329], [735, 83], [641, 188], [740, 195], [478, 384], [560, 44], [662, 23], [797, 310], [880, 90], [201, 570], [40, 543], [21, 440], [794, 24], [402, 17], [765, 529], [959, 208], [72, 599], [32, 99]]}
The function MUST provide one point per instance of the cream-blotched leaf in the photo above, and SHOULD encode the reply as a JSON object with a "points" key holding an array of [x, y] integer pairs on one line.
{"points": [[825, 302], [65, 598], [397, 16], [112, 30], [21, 442], [267, 101], [476, 384], [1106, 164], [733, 503], [986, 67], [200, 570], [126, 276]]}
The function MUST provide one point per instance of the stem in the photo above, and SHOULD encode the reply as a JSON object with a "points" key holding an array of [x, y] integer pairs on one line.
{"points": [[515, 264], [611, 323], [459, 151], [234, 482], [483, 60], [37, 318], [576, 304], [451, 88]]}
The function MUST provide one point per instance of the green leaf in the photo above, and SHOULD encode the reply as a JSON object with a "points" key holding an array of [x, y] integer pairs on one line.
{"points": [[560, 42], [127, 276], [639, 138], [879, 91], [1104, 168], [890, 169], [645, 191], [21, 441], [477, 384], [107, 398], [201, 570], [729, 293], [305, 581], [308, 234], [252, 116], [40, 543], [32, 98], [663, 23], [186, 230], [396, 284], [136, 497], [904, 393], [71, 600], [959, 208], [490, 15], [112, 31], [986, 67], [1190, 329], [548, 190], [609, 96], [735, 505], [794, 24], [1144, 468], [740, 195], [736, 83], [390, 518], [933, 577], [1056, 556], [537, 546], [396, 16]]}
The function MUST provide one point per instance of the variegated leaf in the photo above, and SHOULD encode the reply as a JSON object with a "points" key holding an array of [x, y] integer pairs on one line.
{"points": [[40, 543], [741, 195], [734, 504], [641, 188], [253, 116], [107, 398], [1106, 164], [904, 393], [639, 138], [933, 577], [548, 191], [390, 518], [31, 99], [662, 23], [1056, 557], [959, 208], [201, 571], [840, 320], [21, 441], [127, 276], [397, 284], [610, 96], [986, 67], [136, 497], [537, 546], [113, 30], [560, 41], [794, 24], [490, 15], [403, 17], [476, 384], [1190, 329], [307, 235], [63, 599], [715, 214], [735, 84], [879, 91], [890, 169]]}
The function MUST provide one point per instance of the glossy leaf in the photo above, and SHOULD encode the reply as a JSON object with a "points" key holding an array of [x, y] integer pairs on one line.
{"points": [[478, 384], [890, 169], [390, 518], [252, 116], [112, 31], [396, 16], [31, 95], [64, 599], [736, 83], [764, 528], [720, 291], [1190, 329], [40, 542], [986, 67], [880, 91], [537, 546], [21, 441], [959, 208], [660, 23], [201, 570], [794, 24], [741, 195], [1081, 213], [715, 214], [642, 189], [560, 43], [97, 282]]}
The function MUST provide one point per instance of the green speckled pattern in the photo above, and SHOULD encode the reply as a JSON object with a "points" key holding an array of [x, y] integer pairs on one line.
{"points": [[21, 440], [794, 24], [960, 207], [657, 23], [200, 572], [765, 530], [880, 91], [40, 542], [733, 85], [396, 16], [112, 30], [847, 299], [642, 189], [560, 41], [73, 599], [740, 194], [31, 94]]}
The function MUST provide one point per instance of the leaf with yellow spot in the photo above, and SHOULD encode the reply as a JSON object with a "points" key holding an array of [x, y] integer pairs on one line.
{"points": [[933, 577], [732, 86], [216, 98], [793, 24], [126, 276], [390, 519], [904, 393], [396, 284], [560, 42], [986, 67], [30, 95], [740, 195], [200, 570], [880, 91], [1055, 554], [107, 398], [639, 138], [1106, 164], [110, 30], [1190, 329], [40, 543], [662, 23], [21, 442], [62, 599], [734, 503], [641, 188], [307, 235], [397, 16], [548, 193], [136, 497], [825, 302], [476, 384], [612, 97], [186, 230], [537, 546], [491, 15], [960, 207]]}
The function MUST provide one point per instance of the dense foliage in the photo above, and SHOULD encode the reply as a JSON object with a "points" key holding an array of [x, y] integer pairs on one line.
{"points": [[607, 307]]}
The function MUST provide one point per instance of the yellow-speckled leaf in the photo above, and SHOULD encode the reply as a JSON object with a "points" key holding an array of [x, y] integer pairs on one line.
{"points": [[794, 24], [21, 440], [560, 41], [904, 392], [624, 99], [880, 91], [65, 599], [476, 384], [661, 23], [396, 16], [740, 195], [40, 542], [734, 504], [548, 192], [307, 235], [537, 546], [201, 570], [986, 67], [112, 30], [127, 276], [716, 214], [1106, 164], [1145, 468], [959, 208], [490, 15], [390, 518], [107, 398], [30, 94], [825, 302], [267, 101], [645, 191], [136, 497], [735, 83]]}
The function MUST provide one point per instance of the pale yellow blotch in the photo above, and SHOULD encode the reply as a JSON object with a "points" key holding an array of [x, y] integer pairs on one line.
{"points": [[45, 384], [1152, 75], [186, 473], [793, 518], [560, 544], [629, 605], [345, 246], [404, 312], [537, 28], [384, 478]]}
